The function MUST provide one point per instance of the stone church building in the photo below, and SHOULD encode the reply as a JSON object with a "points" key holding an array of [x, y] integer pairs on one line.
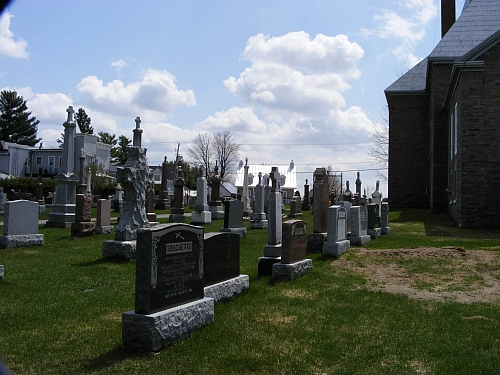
{"points": [[444, 121]]}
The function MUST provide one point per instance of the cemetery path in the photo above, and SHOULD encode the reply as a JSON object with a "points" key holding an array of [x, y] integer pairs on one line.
{"points": [[438, 274]]}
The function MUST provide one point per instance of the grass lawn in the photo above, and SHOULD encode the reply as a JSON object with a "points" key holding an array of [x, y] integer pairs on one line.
{"points": [[61, 307]]}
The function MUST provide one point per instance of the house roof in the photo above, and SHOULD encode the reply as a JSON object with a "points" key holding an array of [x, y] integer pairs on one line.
{"points": [[288, 171], [479, 21]]}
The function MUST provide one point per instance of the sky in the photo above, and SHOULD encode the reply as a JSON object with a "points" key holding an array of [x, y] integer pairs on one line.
{"points": [[291, 80]]}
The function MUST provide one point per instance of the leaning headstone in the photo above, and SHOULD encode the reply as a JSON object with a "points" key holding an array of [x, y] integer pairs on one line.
{"points": [[62, 213], [337, 242], [215, 204], [177, 212], [372, 220], [221, 266], [233, 218], [169, 294], [83, 225], [134, 176], [384, 219], [293, 262], [103, 220], [316, 239], [201, 214], [358, 237], [272, 251], [258, 219], [21, 225]]}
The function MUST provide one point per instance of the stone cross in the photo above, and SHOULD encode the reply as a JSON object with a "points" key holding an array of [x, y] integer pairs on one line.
{"points": [[137, 133], [137, 122], [70, 111], [275, 175]]}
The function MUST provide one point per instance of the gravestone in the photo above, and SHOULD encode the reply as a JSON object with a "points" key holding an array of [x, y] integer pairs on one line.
{"points": [[162, 203], [316, 239], [358, 236], [337, 242], [372, 230], [384, 219], [347, 197], [150, 203], [377, 200], [20, 226], [358, 185], [118, 198], [244, 194], [258, 219], [221, 266], [201, 214], [1, 272], [177, 212], [347, 206], [103, 220], [233, 218], [295, 207], [215, 204], [272, 250], [293, 262], [306, 205], [3, 199], [62, 213], [83, 225], [169, 294], [134, 176]]}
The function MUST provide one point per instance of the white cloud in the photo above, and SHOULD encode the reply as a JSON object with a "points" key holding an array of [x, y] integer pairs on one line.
{"points": [[156, 95], [235, 119], [406, 26], [119, 64], [8, 46]]}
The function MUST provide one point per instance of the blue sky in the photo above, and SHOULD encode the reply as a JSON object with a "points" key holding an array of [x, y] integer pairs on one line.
{"points": [[290, 79]]}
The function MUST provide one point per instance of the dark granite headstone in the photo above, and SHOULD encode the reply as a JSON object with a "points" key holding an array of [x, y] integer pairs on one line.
{"points": [[233, 214], [372, 215], [169, 267], [221, 259], [294, 241]]}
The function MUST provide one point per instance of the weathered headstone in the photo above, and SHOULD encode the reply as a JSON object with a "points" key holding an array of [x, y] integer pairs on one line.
{"points": [[201, 214], [150, 203], [337, 242], [372, 220], [62, 213], [103, 220], [244, 195], [347, 197], [215, 204], [316, 239], [177, 212], [295, 206], [221, 264], [163, 203], [169, 294], [233, 218], [358, 237], [21, 225], [83, 225], [272, 250], [118, 198], [293, 262], [258, 219], [377, 199], [347, 206], [306, 205], [384, 219]]}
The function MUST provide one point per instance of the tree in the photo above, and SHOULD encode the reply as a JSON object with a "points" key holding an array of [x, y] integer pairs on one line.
{"points": [[201, 153], [16, 123], [121, 151], [334, 181], [110, 139], [379, 149], [83, 121], [226, 151]]}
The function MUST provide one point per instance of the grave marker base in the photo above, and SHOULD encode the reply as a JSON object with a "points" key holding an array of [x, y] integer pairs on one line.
{"points": [[20, 240], [177, 218], [227, 288], [155, 331], [104, 229], [374, 233], [201, 217], [291, 271], [119, 249], [360, 240], [385, 230], [265, 265], [242, 232], [315, 242], [258, 224], [272, 250], [337, 248]]}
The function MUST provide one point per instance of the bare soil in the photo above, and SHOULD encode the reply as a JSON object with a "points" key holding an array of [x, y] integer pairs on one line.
{"points": [[443, 274]]}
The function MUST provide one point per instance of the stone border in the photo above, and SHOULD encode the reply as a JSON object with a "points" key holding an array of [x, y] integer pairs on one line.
{"points": [[227, 288], [291, 271]]}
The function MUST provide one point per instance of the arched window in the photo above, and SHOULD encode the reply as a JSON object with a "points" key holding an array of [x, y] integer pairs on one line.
{"points": [[250, 179], [282, 180]]}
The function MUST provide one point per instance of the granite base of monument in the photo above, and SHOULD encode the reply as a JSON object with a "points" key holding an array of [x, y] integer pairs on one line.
{"points": [[203, 217], [60, 219], [228, 288], [360, 240], [217, 212], [20, 240], [258, 224], [242, 232], [104, 229], [265, 265], [119, 249], [337, 248], [176, 218], [155, 331], [82, 229], [291, 271], [374, 233], [385, 231], [272, 250], [315, 242]]}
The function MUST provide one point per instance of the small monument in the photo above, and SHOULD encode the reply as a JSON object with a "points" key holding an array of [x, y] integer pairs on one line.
{"points": [[103, 220], [233, 218], [347, 197], [20, 226], [177, 211], [215, 204], [337, 242], [295, 206], [118, 198], [359, 236], [272, 251], [372, 230], [201, 214], [83, 225], [306, 204], [258, 219], [221, 266], [150, 203], [62, 213], [169, 294], [384, 219], [316, 239], [134, 176], [39, 195], [163, 202], [244, 196], [377, 200], [293, 252]]}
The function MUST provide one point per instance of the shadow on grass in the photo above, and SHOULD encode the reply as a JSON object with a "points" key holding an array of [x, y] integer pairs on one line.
{"points": [[101, 261], [111, 358]]}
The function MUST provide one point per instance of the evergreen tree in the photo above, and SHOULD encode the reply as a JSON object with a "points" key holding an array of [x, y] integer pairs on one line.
{"points": [[83, 121], [121, 151], [16, 123]]}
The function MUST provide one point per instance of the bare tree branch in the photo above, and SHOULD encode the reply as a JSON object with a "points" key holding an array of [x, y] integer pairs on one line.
{"points": [[379, 149], [226, 150], [200, 153]]}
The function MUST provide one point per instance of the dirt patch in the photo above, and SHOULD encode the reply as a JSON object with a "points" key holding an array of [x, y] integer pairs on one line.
{"points": [[439, 274]]}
